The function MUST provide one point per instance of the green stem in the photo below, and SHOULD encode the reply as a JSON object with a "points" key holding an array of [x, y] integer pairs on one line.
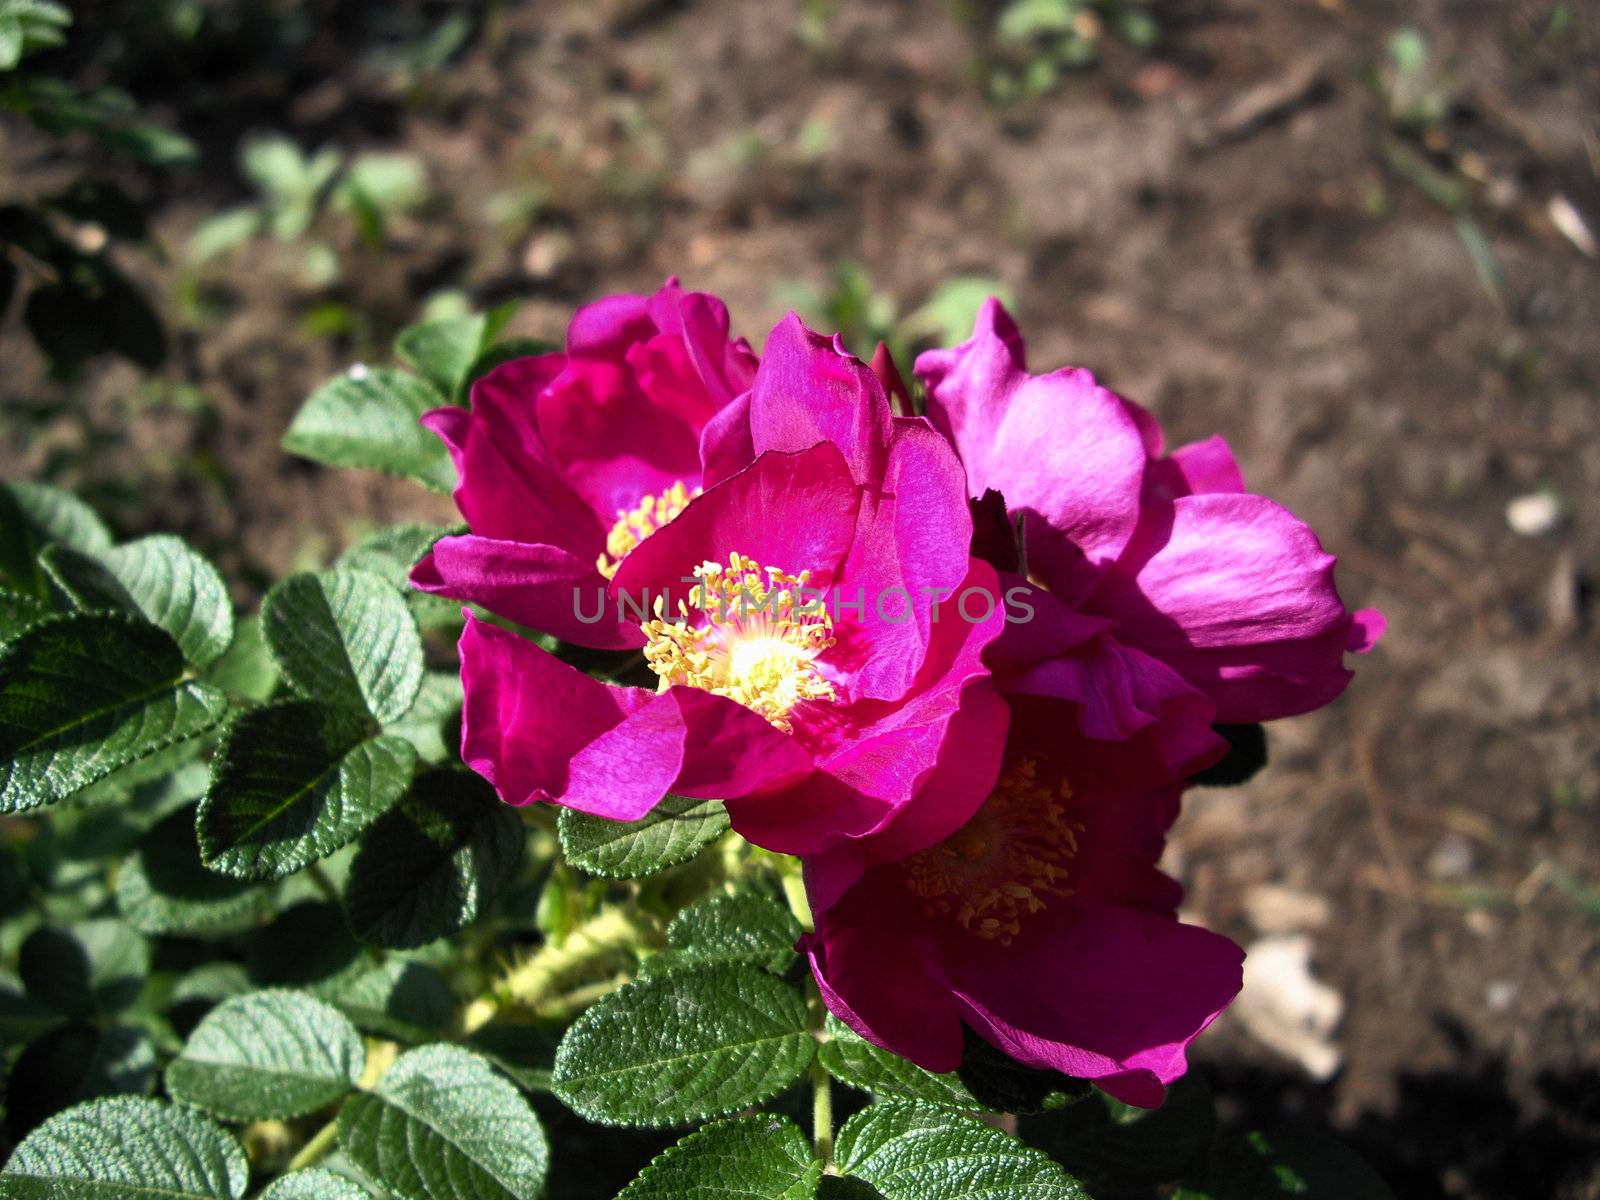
{"points": [[821, 1084], [821, 1113], [794, 891], [323, 884], [317, 1148]]}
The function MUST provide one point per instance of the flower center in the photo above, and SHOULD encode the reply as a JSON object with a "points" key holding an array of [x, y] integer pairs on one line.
{"points": [[639, 522], [755, 638], [1006, 862]]}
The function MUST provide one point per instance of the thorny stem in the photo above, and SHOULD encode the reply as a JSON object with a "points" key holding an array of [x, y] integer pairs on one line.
{"points": [[533, 983]]}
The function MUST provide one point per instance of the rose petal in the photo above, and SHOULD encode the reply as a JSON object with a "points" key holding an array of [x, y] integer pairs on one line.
{"points": [[1237, 595], [543, 587], [1101, 993]]}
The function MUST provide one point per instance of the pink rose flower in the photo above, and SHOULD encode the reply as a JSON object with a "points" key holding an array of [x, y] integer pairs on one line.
{"points": [[567, 461], [1042, 923], [1164, 595], [808, 674]]}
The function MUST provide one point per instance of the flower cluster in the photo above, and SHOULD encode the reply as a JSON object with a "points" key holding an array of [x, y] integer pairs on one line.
{"points": [[962, 664]]}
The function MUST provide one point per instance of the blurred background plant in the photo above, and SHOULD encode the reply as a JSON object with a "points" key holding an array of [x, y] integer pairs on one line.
{"points": [[312, 204], [57, 247], [865, 315], [1036, 43]]}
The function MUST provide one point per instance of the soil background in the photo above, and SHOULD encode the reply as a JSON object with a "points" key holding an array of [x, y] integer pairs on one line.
{"points": [[1212, 225]]}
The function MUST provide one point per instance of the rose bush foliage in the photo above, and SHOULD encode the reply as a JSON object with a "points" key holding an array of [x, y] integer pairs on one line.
{"points": [[766, 730]]}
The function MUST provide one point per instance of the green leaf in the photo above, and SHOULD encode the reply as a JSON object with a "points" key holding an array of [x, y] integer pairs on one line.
{"points": [[1102, 1141], [159, 578], [432, 724], [743, 926], [910, 1151], [74, 1063], [346, 638], [444, 349], [18, 613], [399, 999], [223, 232], [163, 888], [525, 1053], [1005, 1085], [368, 418], [267, 1056], [671, 833], [292, 783], [306, 946], [32, 515], [54, 515], [676, 1048], [434, 863], [760, 1157], [95, 968], [210, 984], [443, 1126], [122, 1149], [85, 694], [10, 41], [391, 553], [948, 316], [1288, 1163], [498, 355], [315, 1184], [246, 669], [852, 1059]]}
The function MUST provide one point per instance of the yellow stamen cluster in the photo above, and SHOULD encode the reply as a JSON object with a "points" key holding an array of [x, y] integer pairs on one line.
{"points": [[1006, 862], [755, 638], [639, 522]]}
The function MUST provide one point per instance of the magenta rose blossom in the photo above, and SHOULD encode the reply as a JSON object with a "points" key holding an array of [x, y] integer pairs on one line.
{"points": [[567, 461], [816, 624], [1164, 596], [1042, 923]]}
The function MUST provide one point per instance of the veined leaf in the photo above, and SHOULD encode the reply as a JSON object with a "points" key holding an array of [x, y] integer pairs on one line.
{"points": [[391, 553], [672, 1049], [432, 864], [85, 694], [18, 613], [267, 1056], [346, 638], [315, 1184], [292, 783], [757, 1157], [32, 515], [159, 578], [442, 1125], [444, 349], [163, 888], [671, 833], [367, 417], [910, 1151], [431, 723], [125, 1148], [740, 926], [397, 999], [852, 1059]]}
